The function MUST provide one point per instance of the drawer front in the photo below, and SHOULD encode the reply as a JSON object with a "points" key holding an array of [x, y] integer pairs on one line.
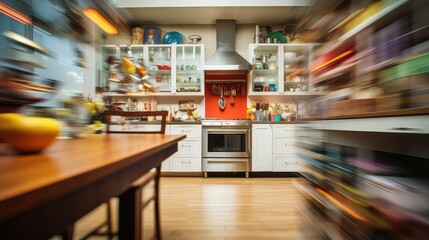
{"points": [[191, 131], [282, 144], [226, 165], [289, 129], [286, 163], [190, 148], [185, 164]]}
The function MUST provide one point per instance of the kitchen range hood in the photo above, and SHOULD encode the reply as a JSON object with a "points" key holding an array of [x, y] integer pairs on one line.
{"points": [[226, 58]]}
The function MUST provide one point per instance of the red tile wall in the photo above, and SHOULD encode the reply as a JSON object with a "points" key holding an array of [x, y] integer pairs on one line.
{"points": [[236, 111]]}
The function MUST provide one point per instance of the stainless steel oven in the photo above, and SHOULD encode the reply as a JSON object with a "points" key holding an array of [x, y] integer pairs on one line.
{"points": [[226, 146]]}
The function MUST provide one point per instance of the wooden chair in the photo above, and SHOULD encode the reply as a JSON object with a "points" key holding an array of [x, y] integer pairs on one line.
{"points": [[153, 175]]}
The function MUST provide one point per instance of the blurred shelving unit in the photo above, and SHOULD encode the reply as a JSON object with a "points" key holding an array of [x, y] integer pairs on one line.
{"points": [[366, 163]]}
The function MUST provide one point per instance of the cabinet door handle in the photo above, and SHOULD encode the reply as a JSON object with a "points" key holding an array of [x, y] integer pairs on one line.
{"points": [[186, 145], [296, 162], [187, 162], [187, 131]]}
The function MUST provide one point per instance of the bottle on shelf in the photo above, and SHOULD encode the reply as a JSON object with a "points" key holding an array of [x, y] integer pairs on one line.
{"points": [[150, 37]]}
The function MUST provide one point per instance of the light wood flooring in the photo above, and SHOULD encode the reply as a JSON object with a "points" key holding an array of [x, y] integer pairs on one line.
{"points": [[224, 208]]}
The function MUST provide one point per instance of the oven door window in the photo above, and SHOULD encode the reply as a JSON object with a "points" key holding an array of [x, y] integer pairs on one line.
{"points": [[226, 142]]}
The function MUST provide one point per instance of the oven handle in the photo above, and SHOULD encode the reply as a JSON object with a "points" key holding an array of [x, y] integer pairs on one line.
{"points": [[226, 161], [227, 131]]}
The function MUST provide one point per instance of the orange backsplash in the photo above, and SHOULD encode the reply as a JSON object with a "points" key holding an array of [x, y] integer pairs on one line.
{"points": [[235, 111]]}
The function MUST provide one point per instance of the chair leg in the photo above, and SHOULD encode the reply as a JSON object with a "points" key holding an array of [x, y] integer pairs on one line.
{"points": [[68, 233], [157, 204], [109, 223]]}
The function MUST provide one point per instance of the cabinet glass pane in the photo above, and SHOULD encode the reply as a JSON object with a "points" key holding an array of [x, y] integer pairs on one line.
{"points": [[113, 78], [296, 68], [160, 67], [189, 69], [265, 75]]}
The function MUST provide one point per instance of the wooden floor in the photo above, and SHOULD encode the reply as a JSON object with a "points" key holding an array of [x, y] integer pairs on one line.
{"points": [[225, 208]]}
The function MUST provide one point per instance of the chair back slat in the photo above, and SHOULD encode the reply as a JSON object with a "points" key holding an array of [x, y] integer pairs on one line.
{"points": [[154, 114]]}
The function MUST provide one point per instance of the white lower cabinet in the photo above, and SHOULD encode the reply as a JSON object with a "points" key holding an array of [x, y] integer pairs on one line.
{"points": [[262, 148], [185, 164], [188, 155], [165, 166], [274, 148], [285, 156], [286, 163]]}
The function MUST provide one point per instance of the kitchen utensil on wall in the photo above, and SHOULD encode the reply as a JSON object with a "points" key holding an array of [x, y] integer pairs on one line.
{"points": [[233, 94], [227, 92], [195, 39], [215, 89], [221, 101]]}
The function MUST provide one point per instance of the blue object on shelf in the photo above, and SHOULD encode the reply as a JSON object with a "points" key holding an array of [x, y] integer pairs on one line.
{"points": [[156, 35], [172, 37], [277, 118]]}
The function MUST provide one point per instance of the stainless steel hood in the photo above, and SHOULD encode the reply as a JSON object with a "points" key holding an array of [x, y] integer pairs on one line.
{"points": [[225, 57]]}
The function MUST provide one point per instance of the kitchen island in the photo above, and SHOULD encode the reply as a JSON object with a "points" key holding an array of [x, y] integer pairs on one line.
{"points": [[42, 194]]}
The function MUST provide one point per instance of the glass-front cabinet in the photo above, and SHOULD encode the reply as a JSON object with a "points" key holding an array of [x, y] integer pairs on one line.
{"points": [[113, 76], [280, 69], [159, 67], [170, 69], [265, 74], [189, 66]]}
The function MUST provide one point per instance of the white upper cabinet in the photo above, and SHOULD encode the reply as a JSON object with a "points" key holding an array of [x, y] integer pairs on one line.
{"points": [[266, 72], [172, 69], [189, 66], [280, 69]]}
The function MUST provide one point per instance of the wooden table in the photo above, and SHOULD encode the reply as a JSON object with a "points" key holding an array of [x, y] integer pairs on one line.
{"points": [[42, 194]]}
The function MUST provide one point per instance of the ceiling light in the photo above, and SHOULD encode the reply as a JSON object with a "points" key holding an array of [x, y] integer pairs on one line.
{"points": [[15, 14], [100, 21]]}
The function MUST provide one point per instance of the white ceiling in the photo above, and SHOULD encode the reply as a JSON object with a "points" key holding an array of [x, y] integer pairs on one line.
{"points": [[207, 11]]}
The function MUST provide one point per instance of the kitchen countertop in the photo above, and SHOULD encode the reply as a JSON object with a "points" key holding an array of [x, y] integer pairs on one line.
{"points": [[184, 122], [199, 122], [278, 122], [159, 122]]}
